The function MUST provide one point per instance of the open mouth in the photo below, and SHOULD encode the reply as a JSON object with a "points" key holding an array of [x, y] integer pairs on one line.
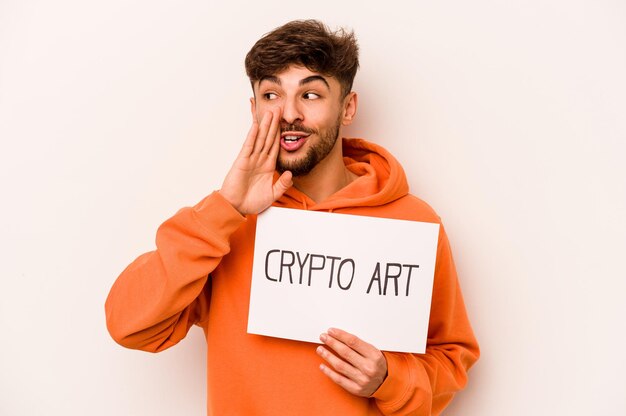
{"points": [[292, 140]]}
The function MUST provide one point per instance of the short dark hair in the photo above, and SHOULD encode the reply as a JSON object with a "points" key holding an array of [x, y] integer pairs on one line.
{"points": [[308, 43]]}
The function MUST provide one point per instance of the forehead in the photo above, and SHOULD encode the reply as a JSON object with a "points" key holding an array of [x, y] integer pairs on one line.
{"points": [[296, 76]]}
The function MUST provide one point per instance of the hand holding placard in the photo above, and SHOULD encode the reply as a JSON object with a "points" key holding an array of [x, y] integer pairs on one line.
{"points": [[362, 367]]}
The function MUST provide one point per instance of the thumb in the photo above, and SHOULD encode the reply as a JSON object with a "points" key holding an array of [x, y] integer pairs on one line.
{"points": [[282, 184]]}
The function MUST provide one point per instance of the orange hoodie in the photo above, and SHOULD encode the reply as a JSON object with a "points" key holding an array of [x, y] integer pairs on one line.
{"points": [[200, 274]]}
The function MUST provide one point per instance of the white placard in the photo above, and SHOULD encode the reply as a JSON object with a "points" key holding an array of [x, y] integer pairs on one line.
{"points": [[369, 276]]}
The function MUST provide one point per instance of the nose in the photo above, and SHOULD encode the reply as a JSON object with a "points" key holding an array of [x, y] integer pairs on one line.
{"points": [[292, 111]]}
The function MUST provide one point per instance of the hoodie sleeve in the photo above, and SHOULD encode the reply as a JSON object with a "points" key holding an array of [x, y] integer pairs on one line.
{"points": [[424, 384], [157, 298]]}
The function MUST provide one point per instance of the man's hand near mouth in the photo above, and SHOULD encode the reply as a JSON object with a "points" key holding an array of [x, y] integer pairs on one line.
{"points": [[249, 185]]}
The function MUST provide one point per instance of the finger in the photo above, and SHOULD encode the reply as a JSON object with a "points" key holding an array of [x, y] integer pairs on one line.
{"points": [[282, 184], [354, 342], [273, 130], [340, 380], [275, 148], [340, 366], [248, 144], [345, 351], [259, 140]]}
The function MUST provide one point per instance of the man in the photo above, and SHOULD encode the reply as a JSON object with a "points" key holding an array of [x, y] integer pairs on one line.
{"points": [[301, 75]]}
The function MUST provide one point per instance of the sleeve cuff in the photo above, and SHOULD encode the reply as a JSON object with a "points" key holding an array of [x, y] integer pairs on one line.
{"points": [[397, 383], [215, 212], [406, 382]]}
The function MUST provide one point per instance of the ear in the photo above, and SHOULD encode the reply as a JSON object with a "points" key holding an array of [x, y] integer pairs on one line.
{"points": [[350, 104], [253, 108]]}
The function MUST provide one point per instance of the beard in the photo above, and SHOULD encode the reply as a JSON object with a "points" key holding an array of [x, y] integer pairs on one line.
{"points": [[315, 153]]}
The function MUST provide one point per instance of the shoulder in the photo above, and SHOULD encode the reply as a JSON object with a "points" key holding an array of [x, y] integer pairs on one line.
{"points": [[416, 209], [421, 208]]}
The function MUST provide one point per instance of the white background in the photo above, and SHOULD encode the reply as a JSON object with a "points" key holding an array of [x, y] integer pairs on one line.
{"points": [[509, 117]]}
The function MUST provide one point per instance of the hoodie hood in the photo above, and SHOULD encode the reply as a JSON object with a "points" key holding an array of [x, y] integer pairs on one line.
{"points": [[380, 180]]}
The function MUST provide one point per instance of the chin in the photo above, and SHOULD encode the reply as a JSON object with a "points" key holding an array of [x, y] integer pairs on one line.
{"points": [[301, 166]]}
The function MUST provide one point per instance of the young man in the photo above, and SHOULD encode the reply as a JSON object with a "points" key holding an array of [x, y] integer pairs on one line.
{"points": [[293, 156]]}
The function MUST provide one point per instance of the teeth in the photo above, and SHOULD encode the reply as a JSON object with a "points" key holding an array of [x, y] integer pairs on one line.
{"points": [[291, 138]]}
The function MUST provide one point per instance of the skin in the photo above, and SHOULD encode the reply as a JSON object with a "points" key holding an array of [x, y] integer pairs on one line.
{"points": [[300, 97]]}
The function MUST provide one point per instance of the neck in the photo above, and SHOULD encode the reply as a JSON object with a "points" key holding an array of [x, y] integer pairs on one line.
{"points": [[326, 178]]}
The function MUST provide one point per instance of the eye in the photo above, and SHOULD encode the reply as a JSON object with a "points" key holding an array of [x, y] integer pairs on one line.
{"points": [[310, 96], [270, 96]]}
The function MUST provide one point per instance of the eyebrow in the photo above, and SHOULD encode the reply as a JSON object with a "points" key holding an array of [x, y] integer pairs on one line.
{"points": [[314, 78], [304, 81]]}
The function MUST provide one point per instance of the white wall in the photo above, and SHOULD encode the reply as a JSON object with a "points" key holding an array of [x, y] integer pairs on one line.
{"points": [[508, 116]]}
